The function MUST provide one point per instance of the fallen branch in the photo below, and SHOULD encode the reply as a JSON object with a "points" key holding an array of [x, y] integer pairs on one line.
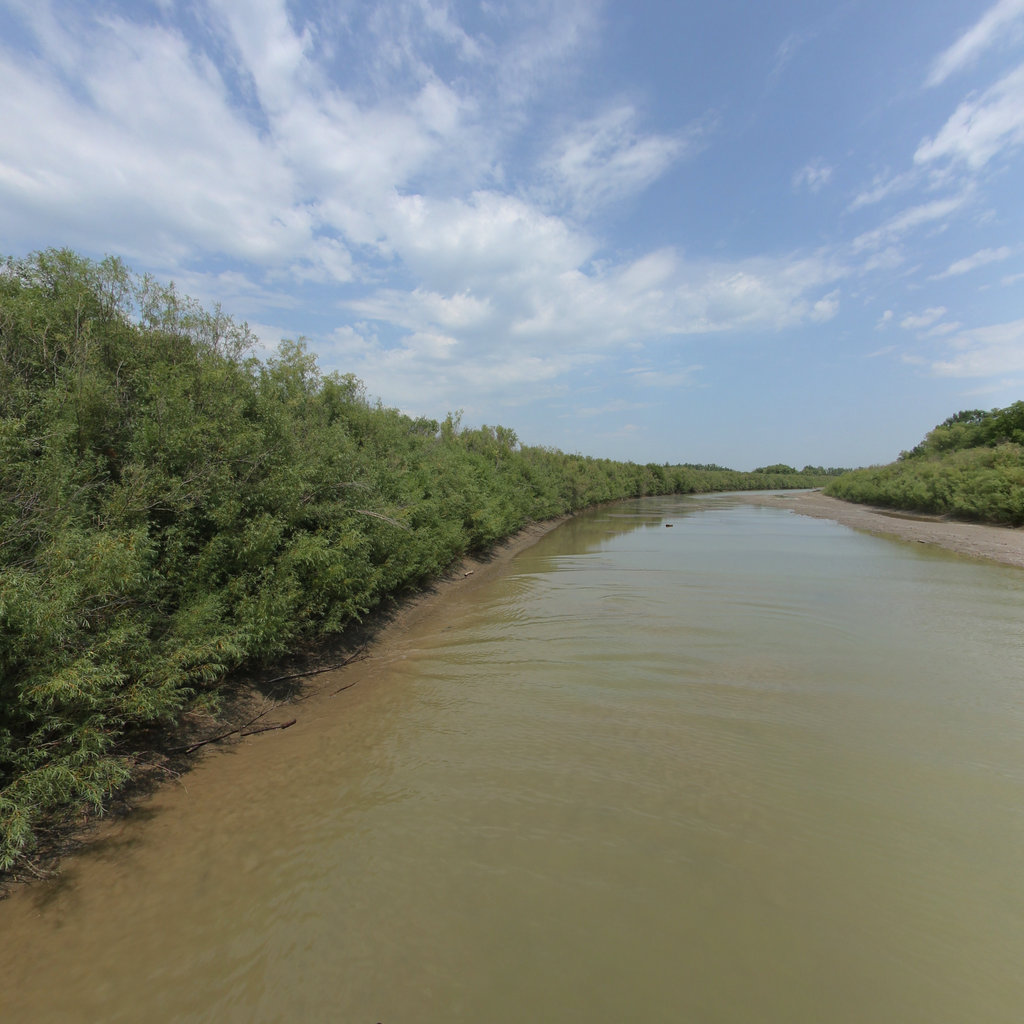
{"points": [[317, 671], [158, 767], [244, 730], [240, 729], [43, 874], [269, 728]]}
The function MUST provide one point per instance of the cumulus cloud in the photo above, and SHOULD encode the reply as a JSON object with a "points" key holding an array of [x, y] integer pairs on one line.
{"points": [[543, 319], [156, 146], [1000, 24], [143, 153], [446, 272]]}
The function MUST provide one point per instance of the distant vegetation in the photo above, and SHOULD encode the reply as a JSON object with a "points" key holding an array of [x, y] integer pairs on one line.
{"points": [[971, 466], [173, 509], [815, 471]]}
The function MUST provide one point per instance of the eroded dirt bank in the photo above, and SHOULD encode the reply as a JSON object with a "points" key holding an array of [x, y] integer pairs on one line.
{"points": [[994, 543]]}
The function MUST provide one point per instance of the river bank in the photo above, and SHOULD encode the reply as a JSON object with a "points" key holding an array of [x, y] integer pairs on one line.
{"points": [[757, 717], [305, 686], [301, 687], [1001, 544]]}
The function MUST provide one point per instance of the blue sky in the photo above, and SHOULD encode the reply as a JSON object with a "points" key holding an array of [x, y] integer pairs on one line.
{"points": [[660, 231]]}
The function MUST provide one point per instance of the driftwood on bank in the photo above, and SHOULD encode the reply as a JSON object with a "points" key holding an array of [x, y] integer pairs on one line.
{"points": [[245, 730], [269, 728], [241, 730], [317, 671]]}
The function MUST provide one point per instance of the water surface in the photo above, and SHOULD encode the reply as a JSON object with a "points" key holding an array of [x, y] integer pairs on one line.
{"points": [[752, 767]]}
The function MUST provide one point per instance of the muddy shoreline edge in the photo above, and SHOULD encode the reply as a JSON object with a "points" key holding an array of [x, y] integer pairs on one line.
{"points": [[318, 673], [313, 676], [1002, 544]]}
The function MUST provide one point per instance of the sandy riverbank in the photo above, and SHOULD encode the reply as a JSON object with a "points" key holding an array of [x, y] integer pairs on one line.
{"points": [[993, 543]]}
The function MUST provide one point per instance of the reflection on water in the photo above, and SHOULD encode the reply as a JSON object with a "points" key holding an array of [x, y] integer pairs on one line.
{"points": [[753, 767]]}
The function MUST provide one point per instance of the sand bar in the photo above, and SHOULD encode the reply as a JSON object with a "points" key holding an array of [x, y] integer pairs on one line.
{"points": [[1001, 544]]}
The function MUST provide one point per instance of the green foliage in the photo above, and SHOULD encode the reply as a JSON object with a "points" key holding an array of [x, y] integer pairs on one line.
{"points": [[819, 471], [971, 466], [972, 428], [172, 508]]}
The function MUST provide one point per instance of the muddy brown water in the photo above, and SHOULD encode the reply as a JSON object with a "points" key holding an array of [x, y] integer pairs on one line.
{"points": [[756, 767]]}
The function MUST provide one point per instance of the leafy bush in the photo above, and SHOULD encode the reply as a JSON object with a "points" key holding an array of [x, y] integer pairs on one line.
{"points": [[172, 508], [971, 466]]}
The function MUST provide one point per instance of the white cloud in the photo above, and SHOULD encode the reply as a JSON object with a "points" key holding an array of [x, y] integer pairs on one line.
{"points": [[882, 186], [825, 308], [916, 216], [941, 330], [411, 310], [981, 128], [269, 336], [148, 146], [461, 279], [981, 258], [661, 377], [787, 50], [489, 240], [606, 159], [144, 147], [551, 36], [1002, 386], [885, 259], [545, 317], [271, 51], [998, 25], [813, 176], [919, 321], [144, 154], [985, 352]]}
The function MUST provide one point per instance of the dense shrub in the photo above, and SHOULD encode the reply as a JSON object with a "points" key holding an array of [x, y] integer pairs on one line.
{"points": [[172, 507], [971, 466]]}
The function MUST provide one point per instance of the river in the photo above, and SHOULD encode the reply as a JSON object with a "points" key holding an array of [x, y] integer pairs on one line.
{"points": [[687, 759]]}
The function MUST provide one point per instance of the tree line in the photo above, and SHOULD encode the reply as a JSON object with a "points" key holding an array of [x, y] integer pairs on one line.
{"points": [[970, 466], [174, 509]]}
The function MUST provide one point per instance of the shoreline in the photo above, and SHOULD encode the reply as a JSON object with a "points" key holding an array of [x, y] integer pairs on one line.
{"points": [[313, 675], [1001, 544]]}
